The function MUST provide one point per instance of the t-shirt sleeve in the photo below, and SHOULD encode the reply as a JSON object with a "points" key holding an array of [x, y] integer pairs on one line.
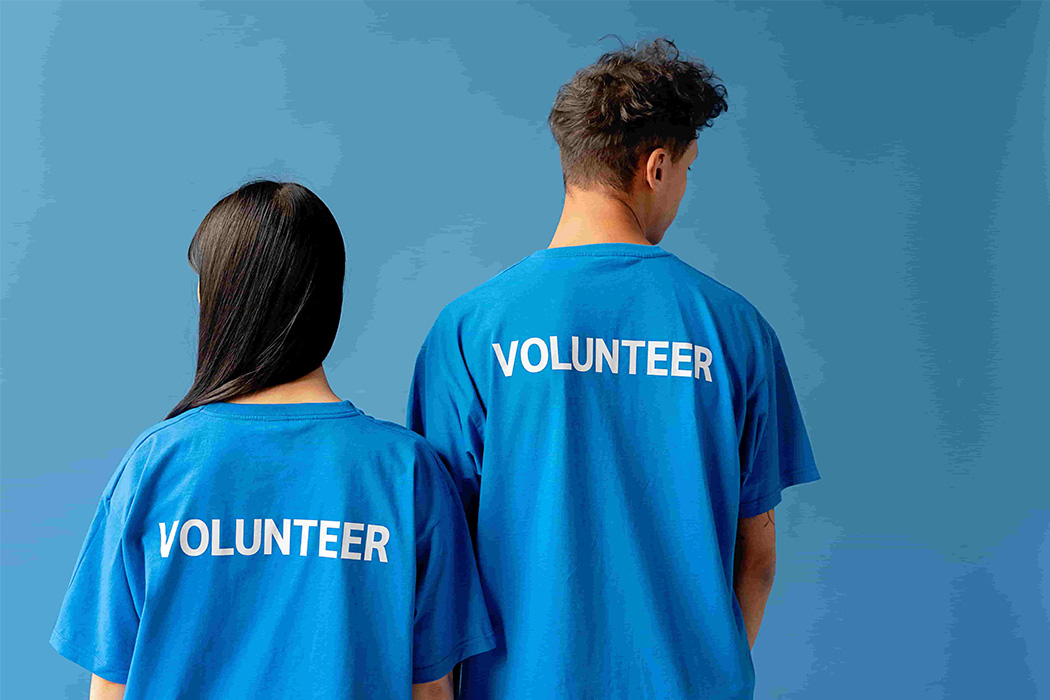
{"points": [[445, 408], [98, 620], [451, 618], [775, 451]]}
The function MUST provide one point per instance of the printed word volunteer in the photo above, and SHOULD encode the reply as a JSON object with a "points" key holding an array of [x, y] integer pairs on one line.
{"points": [[335, 539], [662, 357]]}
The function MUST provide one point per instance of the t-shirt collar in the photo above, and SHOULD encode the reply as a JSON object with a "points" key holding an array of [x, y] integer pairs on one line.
{"points": [[639, 250], [282, 410]]}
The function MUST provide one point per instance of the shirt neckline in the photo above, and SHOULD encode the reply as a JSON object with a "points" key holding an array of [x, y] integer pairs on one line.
{"points": [[632, 250], [280, 411]]}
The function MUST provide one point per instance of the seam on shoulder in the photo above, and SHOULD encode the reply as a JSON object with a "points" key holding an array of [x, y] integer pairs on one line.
{"points": [[159, 428], [706, 276], [508, 268], [396, 429], [140, 441], [419, 440], [466, 297], [434, 455]]}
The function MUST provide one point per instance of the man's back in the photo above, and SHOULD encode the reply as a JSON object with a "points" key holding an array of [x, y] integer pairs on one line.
{"points": [[608, 413]]}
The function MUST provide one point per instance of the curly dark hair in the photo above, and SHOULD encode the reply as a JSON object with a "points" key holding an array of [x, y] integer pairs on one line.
{"points": [[626, 104]]}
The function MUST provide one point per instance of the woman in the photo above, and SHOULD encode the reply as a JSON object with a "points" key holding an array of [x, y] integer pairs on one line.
{"points": [[268, 539]]}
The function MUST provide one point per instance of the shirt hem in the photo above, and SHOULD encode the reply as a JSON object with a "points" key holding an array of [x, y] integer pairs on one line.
{"points": [[87, 659], [463, 650], [763, 504]]}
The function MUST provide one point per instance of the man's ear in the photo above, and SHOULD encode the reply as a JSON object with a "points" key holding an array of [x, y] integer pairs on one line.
{"points": [[656, 158], [660, 158]]}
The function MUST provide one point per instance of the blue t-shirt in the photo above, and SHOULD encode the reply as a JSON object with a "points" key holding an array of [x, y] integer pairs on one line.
{"points": [[275, 551], [608, 413]]}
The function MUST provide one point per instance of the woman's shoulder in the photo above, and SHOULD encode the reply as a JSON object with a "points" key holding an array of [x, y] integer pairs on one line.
{"points": [[395, 434], [164, 430], [138, 457]]}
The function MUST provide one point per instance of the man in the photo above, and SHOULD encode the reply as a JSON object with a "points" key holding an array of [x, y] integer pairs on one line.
{"points": [[619, 425]]}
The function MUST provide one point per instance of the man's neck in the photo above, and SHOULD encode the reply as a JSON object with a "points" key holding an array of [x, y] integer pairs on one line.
{"points": [[593, 217], [312, 388]]}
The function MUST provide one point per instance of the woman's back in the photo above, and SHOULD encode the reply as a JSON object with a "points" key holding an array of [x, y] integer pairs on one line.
{"points": [[268, 539], [275, 550]]}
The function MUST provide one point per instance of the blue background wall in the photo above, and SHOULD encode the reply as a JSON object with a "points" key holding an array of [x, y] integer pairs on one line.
{"points": [[878, 189]]}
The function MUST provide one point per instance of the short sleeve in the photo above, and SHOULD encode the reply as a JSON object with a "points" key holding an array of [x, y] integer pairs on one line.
{"points": [[98, 621], [775, 451], [451, 618], [444, 407]]}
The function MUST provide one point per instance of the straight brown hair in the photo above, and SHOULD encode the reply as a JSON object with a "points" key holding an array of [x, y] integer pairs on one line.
{"points": [[271, 262]]}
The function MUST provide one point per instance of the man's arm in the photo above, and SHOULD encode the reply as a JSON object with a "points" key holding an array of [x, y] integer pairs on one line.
{"points": [[101, 689], [441, 689], [754, 566]]}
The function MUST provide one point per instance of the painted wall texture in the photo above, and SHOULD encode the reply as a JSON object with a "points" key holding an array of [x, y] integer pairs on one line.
{"points": [[878, 189]]}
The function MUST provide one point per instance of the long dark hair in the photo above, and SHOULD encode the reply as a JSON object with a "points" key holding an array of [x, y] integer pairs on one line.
{"points": [[271, 263]]}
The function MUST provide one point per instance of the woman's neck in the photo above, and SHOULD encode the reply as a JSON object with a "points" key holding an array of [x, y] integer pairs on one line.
{"points": [[311, 388]]}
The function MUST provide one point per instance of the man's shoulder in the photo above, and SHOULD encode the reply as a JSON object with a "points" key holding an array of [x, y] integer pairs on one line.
{"points": [[520, 282], [734, 309], [719, 292]]}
